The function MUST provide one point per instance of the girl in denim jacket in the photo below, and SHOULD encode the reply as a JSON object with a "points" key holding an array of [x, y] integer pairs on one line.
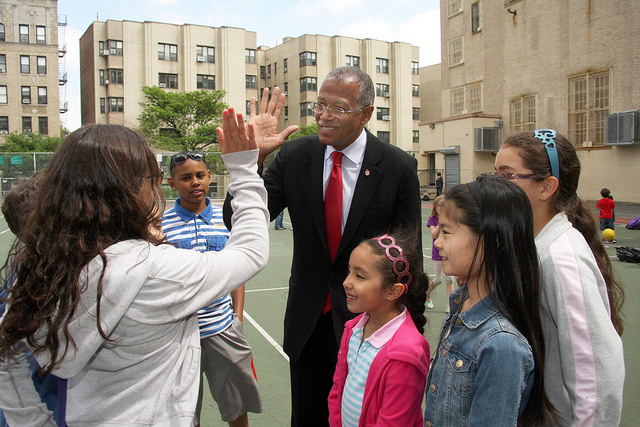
{"points": [[488, 367]]}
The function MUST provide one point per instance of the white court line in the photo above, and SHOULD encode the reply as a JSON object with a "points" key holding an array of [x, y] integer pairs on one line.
{"points": [[2, 232], [264, 333], [262, 290]]}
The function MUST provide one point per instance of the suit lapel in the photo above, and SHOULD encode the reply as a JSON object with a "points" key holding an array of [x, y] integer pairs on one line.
{"points": [[314, 166], [368, 180]]}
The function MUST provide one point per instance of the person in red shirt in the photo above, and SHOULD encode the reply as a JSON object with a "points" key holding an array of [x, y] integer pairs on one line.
{"points": [[606, 206]]}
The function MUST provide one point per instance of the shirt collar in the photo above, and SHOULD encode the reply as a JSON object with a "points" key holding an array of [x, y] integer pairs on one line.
{"points": [[355, 150], [384, 334], [476, 315], [186, 215]]}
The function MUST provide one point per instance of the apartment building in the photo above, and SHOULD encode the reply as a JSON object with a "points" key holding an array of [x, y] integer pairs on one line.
{"points": [[515, 65], [300, 64], [29, 79], [118, 58]]}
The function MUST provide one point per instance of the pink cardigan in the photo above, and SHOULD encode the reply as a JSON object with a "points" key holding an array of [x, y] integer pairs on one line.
{"points": [[395, 384]]}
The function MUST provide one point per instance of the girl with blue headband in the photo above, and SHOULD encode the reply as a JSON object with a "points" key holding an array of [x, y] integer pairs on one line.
{"points": [[384, 358], [581, 300]]}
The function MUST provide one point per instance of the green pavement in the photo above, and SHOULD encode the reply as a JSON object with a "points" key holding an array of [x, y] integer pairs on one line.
{"points": [[266, 298]]}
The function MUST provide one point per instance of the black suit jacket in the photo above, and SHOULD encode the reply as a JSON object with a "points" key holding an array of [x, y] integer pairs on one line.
{"points": [[387, 193]]}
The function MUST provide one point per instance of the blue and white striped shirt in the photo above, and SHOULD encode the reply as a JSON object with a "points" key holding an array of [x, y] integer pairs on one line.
{"points": [[203, 232]]}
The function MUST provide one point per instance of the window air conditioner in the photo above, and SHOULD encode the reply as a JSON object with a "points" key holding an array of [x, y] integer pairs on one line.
{"points": [[487, 139], [106, 82], [26, 101], [622, 128], [386, 118], [105, 53], [4, 132], [385, 94], [200, 58], [163, 85]]}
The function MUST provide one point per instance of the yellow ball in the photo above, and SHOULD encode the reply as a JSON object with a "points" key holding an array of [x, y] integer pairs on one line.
{"points": [[608, 234]]}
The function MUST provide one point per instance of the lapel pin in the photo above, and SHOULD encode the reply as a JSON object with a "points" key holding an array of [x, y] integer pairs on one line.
{"points": [[366, 172]]}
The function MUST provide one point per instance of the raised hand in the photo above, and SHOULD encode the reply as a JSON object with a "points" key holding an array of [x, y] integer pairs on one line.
{"points": [[234, 136], [265, 123]]}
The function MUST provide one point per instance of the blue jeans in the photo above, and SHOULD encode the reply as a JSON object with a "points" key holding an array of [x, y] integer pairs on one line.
{"points": [[278, 225]]}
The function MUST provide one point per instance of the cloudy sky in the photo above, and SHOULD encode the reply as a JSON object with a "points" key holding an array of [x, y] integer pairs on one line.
{"points": [[411, 21]]}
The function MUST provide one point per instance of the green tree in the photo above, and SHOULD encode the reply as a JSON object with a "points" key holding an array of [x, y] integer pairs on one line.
{"points": [[19, 143], [178, 121], [311, 129]]}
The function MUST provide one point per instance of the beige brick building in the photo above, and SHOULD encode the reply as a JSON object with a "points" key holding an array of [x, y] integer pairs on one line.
{"points": [[525, 64], [119, 57], [29, 79]]}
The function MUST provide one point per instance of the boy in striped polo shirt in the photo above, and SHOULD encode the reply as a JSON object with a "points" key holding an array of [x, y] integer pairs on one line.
{"points": [[194, 223]]}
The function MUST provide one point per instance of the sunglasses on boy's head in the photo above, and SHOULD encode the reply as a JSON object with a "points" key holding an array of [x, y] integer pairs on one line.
{"points": [[182, 157]]}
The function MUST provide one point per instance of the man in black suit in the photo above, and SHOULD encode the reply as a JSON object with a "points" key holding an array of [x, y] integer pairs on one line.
{"points": [[380, 190]]}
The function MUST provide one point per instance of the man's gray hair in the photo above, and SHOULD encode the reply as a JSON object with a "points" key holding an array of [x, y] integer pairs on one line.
{"points": [[366, 93]]}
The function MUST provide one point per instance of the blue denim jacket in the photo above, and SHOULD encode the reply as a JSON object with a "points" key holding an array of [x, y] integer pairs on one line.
{"points": [[482, 372]]}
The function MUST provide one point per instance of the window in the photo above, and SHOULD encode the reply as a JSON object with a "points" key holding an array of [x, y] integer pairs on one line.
{"points": [[275, 68], [286, 65], [101, 48], [167, 52], [382, 90], [4, 124], [588, 107], [42, 65], [204, 54], [523, 113], [25, 92], [475, 17], [101, 74], [307, 58], [308, 84], [454, 7], [26, 125], [415, 113], [115, 76], [306, 109], [250, 81], [25, 67], [415, 68], [415, 90], [353, 61], [416, 136], [384, 135], [286, 88], [269, 71], [250, 56], [24, 33], [286, 111], [41, 37], [169, 81], [383, 114], [42, 95], [205, 82], [382, 65], [3, 95], [456, 56], [115, 47], [263, 72], [247, 108], [116, 105], [2, 34], [3, 63], [465, 99], [102, 105], [43, 125]]}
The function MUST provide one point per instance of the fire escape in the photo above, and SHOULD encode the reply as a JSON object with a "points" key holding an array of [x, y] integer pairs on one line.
{"points": [[62, 72]]}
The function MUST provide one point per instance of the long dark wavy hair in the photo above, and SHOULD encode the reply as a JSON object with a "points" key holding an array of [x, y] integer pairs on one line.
{"points": [[565, 199], [499, 213], [415, 298], [93, 195]]}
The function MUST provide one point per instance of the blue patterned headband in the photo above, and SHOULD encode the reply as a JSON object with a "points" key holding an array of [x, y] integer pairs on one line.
{"points": [[547, 137]]}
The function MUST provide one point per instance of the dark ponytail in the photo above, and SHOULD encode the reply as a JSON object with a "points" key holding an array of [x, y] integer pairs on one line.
{"points": [[416, 296], [534, 157]]}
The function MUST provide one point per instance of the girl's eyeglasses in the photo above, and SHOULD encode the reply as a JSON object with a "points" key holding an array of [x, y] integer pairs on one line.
{"points": [[159, 176], [514, 175]]}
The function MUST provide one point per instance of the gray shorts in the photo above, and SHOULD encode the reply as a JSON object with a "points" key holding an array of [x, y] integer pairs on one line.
{"points": [[226, 361]]}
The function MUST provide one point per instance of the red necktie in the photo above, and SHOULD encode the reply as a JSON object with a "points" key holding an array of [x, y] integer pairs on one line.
{"points": [[333, 211]]}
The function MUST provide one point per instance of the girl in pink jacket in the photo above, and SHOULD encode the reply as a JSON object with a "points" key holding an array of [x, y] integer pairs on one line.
{"points": [[384, 358]]}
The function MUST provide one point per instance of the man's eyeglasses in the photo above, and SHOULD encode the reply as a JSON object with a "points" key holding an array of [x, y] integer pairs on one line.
{"points": [[335, 111], [182, 157], [514, 175]]}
